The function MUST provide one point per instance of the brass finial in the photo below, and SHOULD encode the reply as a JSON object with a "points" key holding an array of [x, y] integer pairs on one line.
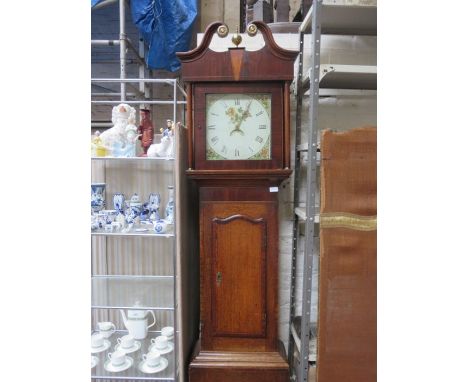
{"points": [[223, 31], [252, 30], [236, 38]]}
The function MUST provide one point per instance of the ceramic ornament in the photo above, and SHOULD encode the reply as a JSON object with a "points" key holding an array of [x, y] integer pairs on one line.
{"points": [[146, 131]]}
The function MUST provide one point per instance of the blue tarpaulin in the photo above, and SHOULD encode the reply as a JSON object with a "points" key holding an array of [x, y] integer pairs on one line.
{"points": [[166, 27]]}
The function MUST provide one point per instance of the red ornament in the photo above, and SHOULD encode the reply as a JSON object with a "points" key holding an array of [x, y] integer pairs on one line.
{"points": [[146, 130]]}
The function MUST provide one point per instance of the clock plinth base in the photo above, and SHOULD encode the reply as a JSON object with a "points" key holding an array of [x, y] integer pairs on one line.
{"points": [[226, 366]]}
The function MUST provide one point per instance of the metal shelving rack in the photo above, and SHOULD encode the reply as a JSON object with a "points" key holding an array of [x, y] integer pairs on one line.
{"points": [[324, 17], [113, 292]]}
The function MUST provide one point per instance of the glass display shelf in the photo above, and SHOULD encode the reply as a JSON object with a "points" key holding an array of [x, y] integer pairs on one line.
{"points": [[130, 292], [150, 232], [133, 373], [157, 159]]}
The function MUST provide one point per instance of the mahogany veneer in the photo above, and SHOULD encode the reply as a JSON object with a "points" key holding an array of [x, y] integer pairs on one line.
{"points": [[238, 216]]}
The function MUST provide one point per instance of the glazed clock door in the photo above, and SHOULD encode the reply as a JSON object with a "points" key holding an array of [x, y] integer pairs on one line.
{"points": [[238, 126], [238, 237]]}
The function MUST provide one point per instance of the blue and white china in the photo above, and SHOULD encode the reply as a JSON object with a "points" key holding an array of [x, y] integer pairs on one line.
{"points": [[160, 226], [154, 201], [94, 222], [98, 201], [116, 226], [101, 219], [145, 212], [135, 199], [170, 206], [110, 215], [119, 200], [131, 214]]}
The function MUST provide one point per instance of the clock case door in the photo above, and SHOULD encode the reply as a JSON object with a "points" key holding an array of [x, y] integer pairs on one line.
{"points": [[238, 260], [277, 138]]}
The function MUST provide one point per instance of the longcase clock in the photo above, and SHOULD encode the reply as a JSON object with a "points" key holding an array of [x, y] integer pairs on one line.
{"points": [[238, 125]]}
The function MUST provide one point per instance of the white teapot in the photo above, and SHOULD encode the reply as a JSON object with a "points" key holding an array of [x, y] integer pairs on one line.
{"points": [[137, 322]]}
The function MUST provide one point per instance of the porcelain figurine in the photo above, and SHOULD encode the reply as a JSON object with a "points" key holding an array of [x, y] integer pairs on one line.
{"points": [[170, 206], [115, 139], [154, 202], [130, 218], [146, 131], [97, 197], [97, 148], [166, 147], [169, 134]]}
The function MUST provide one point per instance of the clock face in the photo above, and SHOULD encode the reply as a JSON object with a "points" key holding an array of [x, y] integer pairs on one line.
{"points": [[238, 126]]}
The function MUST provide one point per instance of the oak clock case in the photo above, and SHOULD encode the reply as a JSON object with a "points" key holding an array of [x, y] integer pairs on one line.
{"points": [[238, 148]]}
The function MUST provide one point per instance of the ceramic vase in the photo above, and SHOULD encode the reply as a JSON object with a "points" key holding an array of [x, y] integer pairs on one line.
{"points": [[170, 206], [98, 201], [119, 202]]}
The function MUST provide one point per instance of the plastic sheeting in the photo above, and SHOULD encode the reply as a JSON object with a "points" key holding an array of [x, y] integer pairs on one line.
{"points": [[166, 27], [94, 2]]}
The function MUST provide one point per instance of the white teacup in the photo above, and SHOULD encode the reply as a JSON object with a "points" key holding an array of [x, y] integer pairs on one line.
{"points": [[168, 331], [152, 359], [106, 329], [126, 342], [117, 358], [97, 340], [160, 342]]}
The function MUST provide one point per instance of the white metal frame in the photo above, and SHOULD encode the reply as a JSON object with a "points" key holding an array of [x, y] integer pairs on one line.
{"points": [[176, 89]]}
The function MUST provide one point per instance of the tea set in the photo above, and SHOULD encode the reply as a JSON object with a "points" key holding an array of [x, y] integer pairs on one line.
{"points": [[132, 214], [120, 359]]}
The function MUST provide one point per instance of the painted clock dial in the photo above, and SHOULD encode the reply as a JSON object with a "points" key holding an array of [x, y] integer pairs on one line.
{"points": [[238, 126]]}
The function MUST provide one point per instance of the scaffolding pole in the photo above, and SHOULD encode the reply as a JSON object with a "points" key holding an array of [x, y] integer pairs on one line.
{"points": [[123, 48]]}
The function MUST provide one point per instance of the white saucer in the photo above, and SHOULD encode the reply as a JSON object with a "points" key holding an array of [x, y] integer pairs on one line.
{"points": [[167, 349], [94, 361], [136, 346], [144, 368], [106, 345], [115, 369]]}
